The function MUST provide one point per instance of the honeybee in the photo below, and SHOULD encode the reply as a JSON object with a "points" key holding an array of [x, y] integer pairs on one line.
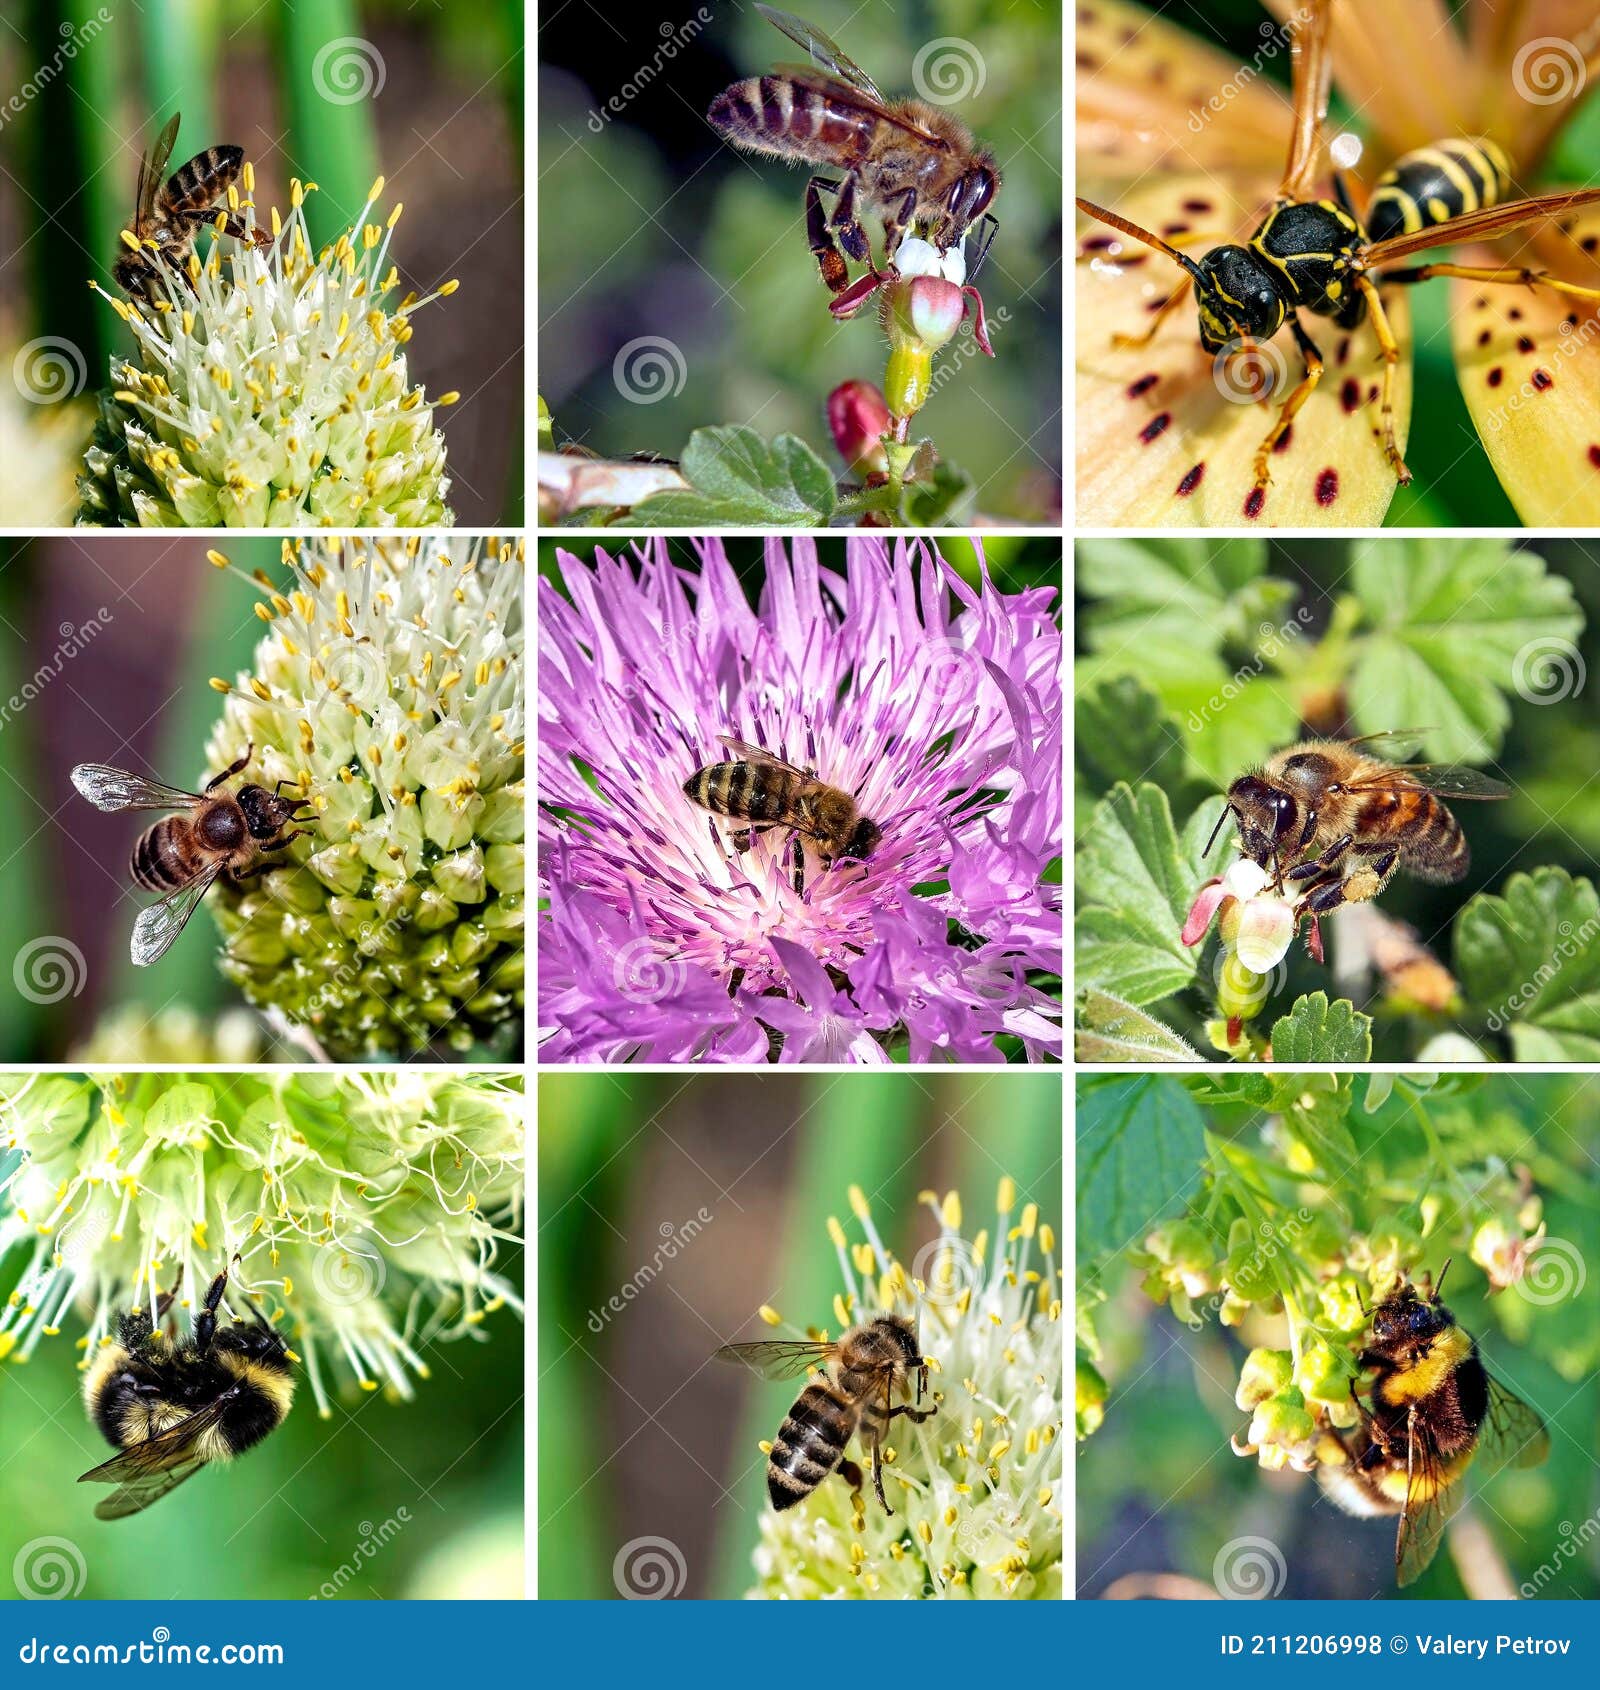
{"points": [[865, 1369], [1335, 820], [765, 790], [221, 833], [170, 1407], [1433, 1414], [167, 216], [916, 165]]}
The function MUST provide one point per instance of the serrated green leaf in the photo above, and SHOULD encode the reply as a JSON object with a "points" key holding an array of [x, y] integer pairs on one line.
{"points": [[946, 500], [1140, 1142], [1122, 734], [736, 477], [1134, 890], [1149, 589], [1456, 626], [1113, 1030], [1316, 1030], [1530, 960]]}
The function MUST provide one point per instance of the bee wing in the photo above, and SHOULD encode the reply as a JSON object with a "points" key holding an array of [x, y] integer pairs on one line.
{"points": [[1398, 745], [119, 789], [1454, 780], [1432, 1498], [163, 921], [1478, 225], [146, 1472], [822, 49], [1512, 1435], [778, 1358], [748, 753], [152, 167]]}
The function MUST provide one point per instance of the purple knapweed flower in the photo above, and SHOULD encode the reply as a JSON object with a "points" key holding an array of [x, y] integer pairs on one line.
{"points": [[936, 704]]}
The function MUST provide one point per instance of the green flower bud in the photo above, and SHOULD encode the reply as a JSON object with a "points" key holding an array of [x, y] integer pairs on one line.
{"points": [[1265, 1373]]}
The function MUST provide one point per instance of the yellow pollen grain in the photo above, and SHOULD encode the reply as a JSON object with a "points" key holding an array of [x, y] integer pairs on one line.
{"points": [[924, 1532], [770, 1315], [1006, 1197]]}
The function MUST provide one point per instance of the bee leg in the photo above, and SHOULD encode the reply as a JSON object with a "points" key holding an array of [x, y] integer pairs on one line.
{"points": [[894, 225], [799, 866], [1390, 348], [205, 1326], [988, 228], [830, 261], [1286, 413], [1305, 871], [852, 237], [743, 838], [915, 1414], [164, 1302], [232, 768], [877, 1476], [850, 1472]]}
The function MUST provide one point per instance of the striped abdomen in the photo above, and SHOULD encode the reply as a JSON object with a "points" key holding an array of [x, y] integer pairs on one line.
{"points": [[1434, 184], [1429, 839], [751, 792], [789, 118], [199, 184], [809, 1445], [166, 855]]}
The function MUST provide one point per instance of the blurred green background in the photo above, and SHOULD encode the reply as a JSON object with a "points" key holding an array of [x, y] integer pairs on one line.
{"points": [[132, 691], [638, 1434], [1453, 486], [1159, 1491], [652, 225], [426, 92], [318, 1504]]}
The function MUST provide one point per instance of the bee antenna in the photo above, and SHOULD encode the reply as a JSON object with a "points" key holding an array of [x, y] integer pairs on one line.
{"points": [[1437, 1288], [1227, 810]]}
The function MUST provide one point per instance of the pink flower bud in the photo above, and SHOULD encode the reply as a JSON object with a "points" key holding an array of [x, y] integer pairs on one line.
{"points": [[858, 418], [927, 309]]}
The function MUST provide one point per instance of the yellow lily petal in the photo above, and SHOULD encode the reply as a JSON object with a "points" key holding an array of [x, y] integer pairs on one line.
{"points": [[1166, 434], [1529, 365], [1152, 96]]}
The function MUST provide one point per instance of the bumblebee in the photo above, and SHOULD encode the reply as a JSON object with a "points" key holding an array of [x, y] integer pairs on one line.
{"points": [[1431, 1415], [172, 1406]]}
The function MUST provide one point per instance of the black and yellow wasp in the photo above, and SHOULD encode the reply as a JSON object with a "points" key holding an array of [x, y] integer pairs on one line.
{"points": [[1321, 256]]}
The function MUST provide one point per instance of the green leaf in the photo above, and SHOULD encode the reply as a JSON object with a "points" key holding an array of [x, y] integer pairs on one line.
{"points": [[1456, 625], [1113, 1030], [1134, 890], [947, 499], [1124, 735], [736, 477], [1315, 1030], [181, 1111], [1141, 1143], [1531, 961], [1154, 589]]}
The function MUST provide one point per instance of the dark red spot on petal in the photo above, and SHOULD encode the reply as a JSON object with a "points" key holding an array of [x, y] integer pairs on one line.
{"points": [[1197, 207], [1495, 376], [1142, 385], [1099, 243], [1253, 501], [1594, 456], [1515, 313], [1372, 393], [1350, 394], [1481, 302], [1327, 486], [1524, 343], [1485, 336], [1590, 243], [1343, 351], [1191, 480], [1284, 439], [1171, 229], [1543, 380], [1156, 427]]}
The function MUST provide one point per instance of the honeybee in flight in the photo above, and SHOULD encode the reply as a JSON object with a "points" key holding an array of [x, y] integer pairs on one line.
{"points": [[171, 1406], [1336, 821], [168, 215], [219, 833], [916, 165], [854, 1397], [1432, 1415], [768, 792]]}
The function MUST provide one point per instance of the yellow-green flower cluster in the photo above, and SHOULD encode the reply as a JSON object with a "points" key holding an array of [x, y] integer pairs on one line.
{"points": [[270, 390], [367, 1209], [976, 1490], [389, 691]]}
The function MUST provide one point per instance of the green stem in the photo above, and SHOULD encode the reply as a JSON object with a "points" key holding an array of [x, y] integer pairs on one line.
{"points": [[178, 43]]}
